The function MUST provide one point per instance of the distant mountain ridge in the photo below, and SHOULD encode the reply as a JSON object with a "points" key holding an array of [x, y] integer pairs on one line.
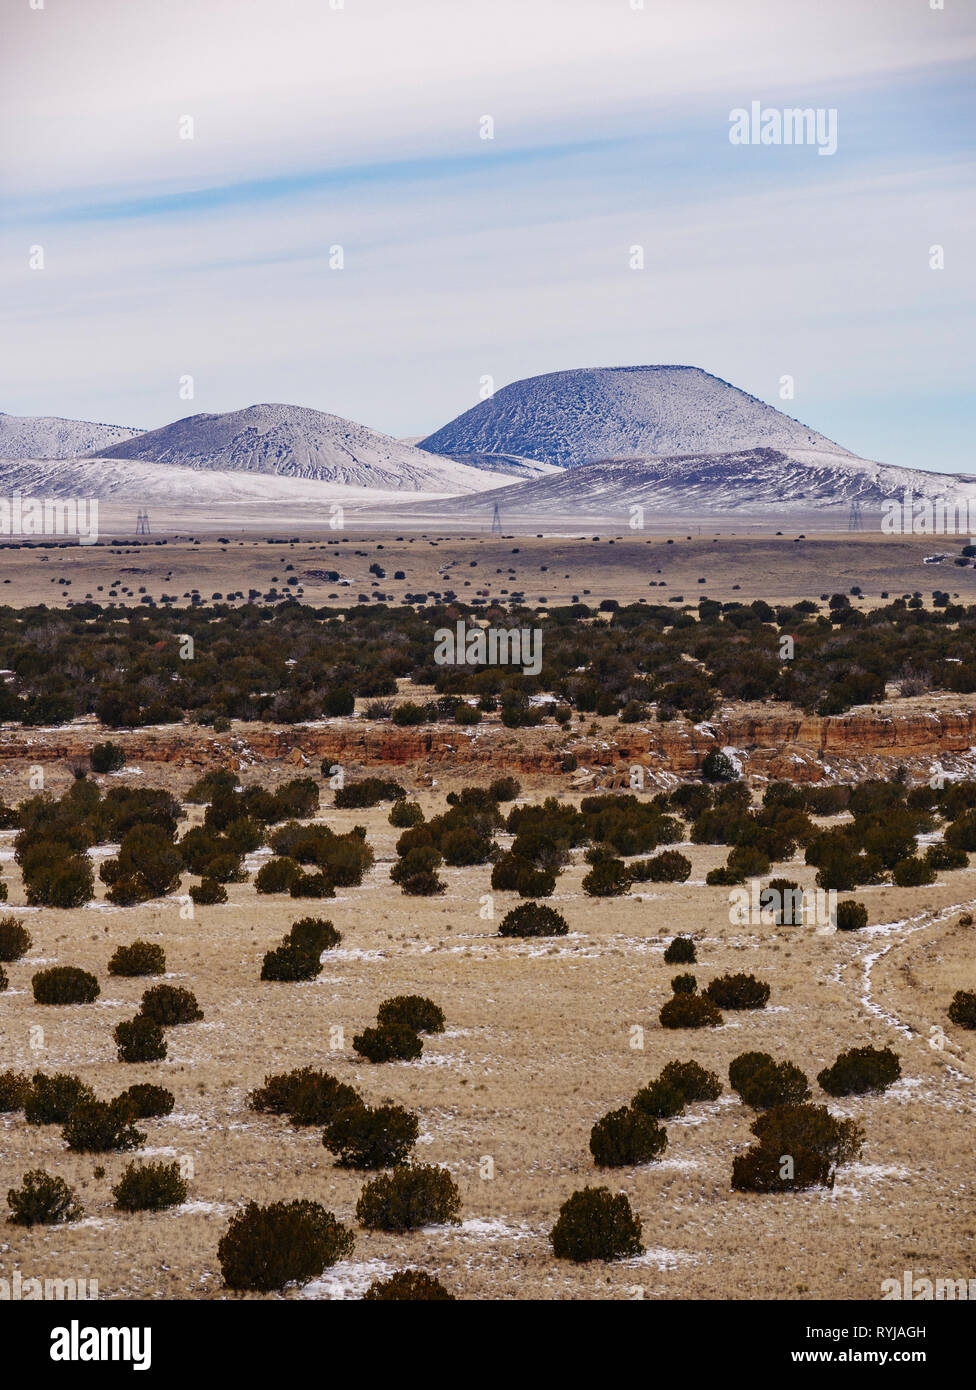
{"points": [[574, 417], [50, 437]]}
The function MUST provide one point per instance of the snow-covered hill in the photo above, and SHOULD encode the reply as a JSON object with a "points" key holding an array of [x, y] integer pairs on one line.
{"points": [[574, 417], [48, 437], [296, 442]]}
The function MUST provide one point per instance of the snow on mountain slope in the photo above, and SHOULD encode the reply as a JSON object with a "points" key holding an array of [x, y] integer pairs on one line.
{"points": [[294, 441], [48, 437], [573, 417], [753, 481]]}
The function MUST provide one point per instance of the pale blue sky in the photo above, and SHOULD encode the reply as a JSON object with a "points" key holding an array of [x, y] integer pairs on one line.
{"points": [[465, 257]]}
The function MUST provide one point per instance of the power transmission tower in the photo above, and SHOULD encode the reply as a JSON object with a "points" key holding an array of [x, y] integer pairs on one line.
{"points": [[855, 522], [496, 522], [142, 524]]}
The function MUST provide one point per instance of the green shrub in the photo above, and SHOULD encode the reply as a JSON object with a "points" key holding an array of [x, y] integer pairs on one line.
{"points": [[692, 1081], [718, 767], [15, 939], [762, 1169], [313, 934], [913, 872], [533, 919], [412, 1284], [405, 814], [277, 875], [149, 1187], [59, 880], [367, 1138], [411, 1011], [593, 1224], [98, 1126], [608, 879], [370, 791], [43, 1200], [738, 992], [289, 962], [659, 1099], [311, 886], [684, 984], [784, 897], [943, 856], [169, 1005], [787, 1129], [309, 1097], [531, 882], [962, 1010], [390, 1043], [51, 1099], [64, 984], [689, 1011], [265, 1248], [144, 1102], [626, 1137], [762, 1082], [140, 1039], [107, 757], [208, 892], [423, 884], [681, 951], [860, 1070], [670, 866], [14, 1089], [140, 958], [851, 916], [409, 1197]]}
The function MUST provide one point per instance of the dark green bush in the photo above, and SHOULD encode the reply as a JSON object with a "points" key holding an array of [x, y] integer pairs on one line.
{"points": [[311, 886], [689, 1011], [290, 962], [64, 984], [265, 1248], [411, 1011], [15, 939], [784, 898], [860, 1070], [140, 1039], [593, 1224], [851, 916], [43, 1200], [684, 984], [98, 1126], [390, 1043], [368, 792], [412, 1284], [367, 1138], [670, 866], [943, 856], [533, 919], [535, 883], [409, 1197], [208, 892], [277, 875], [149, 1187], [308, 1097], [718, 767], [659, 1099], [405, 814], [787, 1129], [145, 1102], [140, 958], [692, 1081], [738, 992], [681, 951], [626, 1137], [313, 934], [107, 757], [761, 1169], [14, 1090], [913, 872], [962, 1010], [762, 1082], [51, 1099], [169, 1005], [610, 878]]}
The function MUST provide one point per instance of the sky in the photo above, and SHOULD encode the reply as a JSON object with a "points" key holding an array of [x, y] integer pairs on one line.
{"points": [[293, 200]]}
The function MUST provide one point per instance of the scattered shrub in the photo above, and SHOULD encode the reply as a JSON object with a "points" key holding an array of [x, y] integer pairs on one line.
{"points": [[593, 1224], [368, 792], [390, 1043], [290, 962], [371, 1138], [313, 934], [860, 1070], [43, 1200], [144, 1102], [851, 916], [106, 757], [913, 872], [660, 1099], [169, 1005], [761, 1169], [943, 856], [277, 875], [64, 984], [762, 1082], [738, 992], [140, 958], [14, 1089], [411, 1011], [689, 1011], [610, 878], [962, 1011], [787, 1129], [670, 866], [718, 767], [684, 984], [308, 1097], [409, 1197], [97, 1126], [405, 814], [51, 1099], [626, 1137], [533, 919], [692, 1081], [311, 886], [413, 1284], [265, 1248], [140, 1039], [208, 892], [15, 939], [149, 1187], [681, 951]]}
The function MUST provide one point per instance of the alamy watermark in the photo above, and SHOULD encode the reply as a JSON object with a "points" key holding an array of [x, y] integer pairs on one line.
{"points": [[923, 1290], [50, 516], [491, 646], [926, 516], [17, 1289], [787, 907], [791, 125]]}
